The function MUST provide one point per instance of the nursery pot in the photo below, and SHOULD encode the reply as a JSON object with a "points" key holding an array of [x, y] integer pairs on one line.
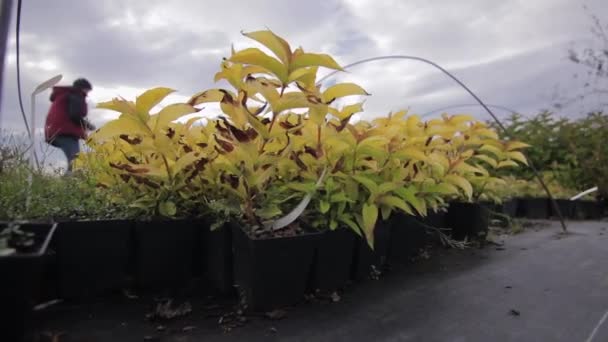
{"points": [[566, 208], [164, 253], [533, 208], [509, 207], [272, 272], [587, 210], [92, 256], [217, 251], [467, 220], [367, 261], [333, 259], [408, 234], [21, 275]]}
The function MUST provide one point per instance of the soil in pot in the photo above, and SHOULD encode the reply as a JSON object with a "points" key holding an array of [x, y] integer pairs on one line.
{"points": [[164, 254], [273, 272], [368, 263], [533, 208], [333, 260], [21, 275], [92, 257], [467, 220], [408, 235]]}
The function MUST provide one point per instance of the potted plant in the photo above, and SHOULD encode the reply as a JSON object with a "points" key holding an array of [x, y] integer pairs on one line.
{"points": [[144, 154]]}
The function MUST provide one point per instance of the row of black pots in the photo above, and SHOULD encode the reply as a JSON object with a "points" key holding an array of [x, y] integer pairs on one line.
{"points": [[95, 257], [543, 208]]}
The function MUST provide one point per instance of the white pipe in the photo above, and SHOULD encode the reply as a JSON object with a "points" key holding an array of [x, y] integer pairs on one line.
{"points": [[39, 89], [586, 192]]}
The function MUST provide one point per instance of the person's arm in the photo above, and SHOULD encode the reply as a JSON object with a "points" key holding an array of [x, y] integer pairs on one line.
{"points": [[74, 108]]}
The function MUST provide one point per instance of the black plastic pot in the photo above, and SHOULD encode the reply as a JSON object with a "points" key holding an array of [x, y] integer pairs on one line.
{"points": [[367, 261], [533, 208], [272, 273], [164, 253], [218, 259], [509, 207], [566, 208], [333, 260], [467, 220], [587, 210], [21, 275], [92, 257], [408, 235]]}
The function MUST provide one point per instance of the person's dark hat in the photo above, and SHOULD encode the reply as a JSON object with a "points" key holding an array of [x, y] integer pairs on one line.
{"points": [[82, 84]]}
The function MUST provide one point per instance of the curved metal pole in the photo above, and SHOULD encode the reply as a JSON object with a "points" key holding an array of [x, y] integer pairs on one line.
{"points": [[502, 127], [512, 111]]}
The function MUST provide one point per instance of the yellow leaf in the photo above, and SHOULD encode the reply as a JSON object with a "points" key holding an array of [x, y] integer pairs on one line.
{"points": [[514, 145], [121, 106], [301, 59], [349, 110], [394, 201], [461, 183], [211, 95], [171, 113], [458, 119], [492, 149], [124, 125], [466, 168], [341, 90], [411, 153], [255, 56], [274, 43], [149, 99], [487, 159], [184, 161], [290, 101], [305, 75], [506, 163], [518, 156]]}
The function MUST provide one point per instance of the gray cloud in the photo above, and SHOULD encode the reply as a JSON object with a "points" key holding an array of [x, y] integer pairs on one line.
{"points": [[512, 53]]}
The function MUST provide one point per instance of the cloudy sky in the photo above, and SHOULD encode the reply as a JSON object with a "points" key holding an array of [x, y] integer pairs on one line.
{"points": [[512, 53]]}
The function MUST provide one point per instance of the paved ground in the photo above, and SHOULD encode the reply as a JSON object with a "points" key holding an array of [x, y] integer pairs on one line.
{"points": [[540, 287]]}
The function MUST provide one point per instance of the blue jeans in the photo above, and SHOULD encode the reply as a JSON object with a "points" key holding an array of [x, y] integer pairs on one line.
{"points": [[69, 146]]}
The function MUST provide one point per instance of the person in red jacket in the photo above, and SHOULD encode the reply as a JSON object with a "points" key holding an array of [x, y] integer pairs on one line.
{"points": [[66, 121]]}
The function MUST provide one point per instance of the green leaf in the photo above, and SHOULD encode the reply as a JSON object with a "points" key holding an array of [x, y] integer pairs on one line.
{"points": [[308, 187], [386, 212], [396, 202], [409, 195], [167, 208], [370, 217], [269, 212], [333, 224], [351, 224], [387, 187], [324, 207], [368, 183]]}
